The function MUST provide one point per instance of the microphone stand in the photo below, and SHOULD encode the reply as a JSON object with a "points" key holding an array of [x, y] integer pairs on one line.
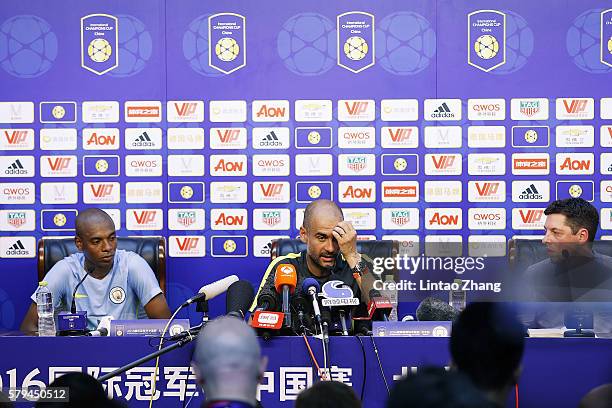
{"points": [[146, 358]]}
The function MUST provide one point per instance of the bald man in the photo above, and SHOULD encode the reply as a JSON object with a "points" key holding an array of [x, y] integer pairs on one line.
{"points": [[121, 284], [331, 254], [228, 364]]}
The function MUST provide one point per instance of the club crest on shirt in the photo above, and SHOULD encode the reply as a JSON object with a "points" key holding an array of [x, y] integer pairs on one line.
{"points": [[117, 295], [175, 329]]}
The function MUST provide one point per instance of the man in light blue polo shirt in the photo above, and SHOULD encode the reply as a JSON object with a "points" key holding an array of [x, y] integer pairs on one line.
{"points": [[120, 284]]}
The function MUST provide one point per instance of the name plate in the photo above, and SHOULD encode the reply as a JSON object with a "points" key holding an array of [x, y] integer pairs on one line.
{"points": [[411, 329], [147, 327]]}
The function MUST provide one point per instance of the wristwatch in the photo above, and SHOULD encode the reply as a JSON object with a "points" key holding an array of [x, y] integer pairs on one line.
{"points": [[361, 266]]}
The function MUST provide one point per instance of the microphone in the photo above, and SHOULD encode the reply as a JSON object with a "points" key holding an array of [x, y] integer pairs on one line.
{"points": [[379, 307], [310, 287], [100, 332], [267, 301], [285, 280], [238, 299], [87, 272], [211, 290], [435, 310]]}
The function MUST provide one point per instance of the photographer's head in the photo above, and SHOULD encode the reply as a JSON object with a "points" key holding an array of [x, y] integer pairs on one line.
{"points": [[570, 223]]}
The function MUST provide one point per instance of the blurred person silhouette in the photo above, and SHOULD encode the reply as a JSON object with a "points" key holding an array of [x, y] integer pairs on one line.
{"points": [[328, 394]]}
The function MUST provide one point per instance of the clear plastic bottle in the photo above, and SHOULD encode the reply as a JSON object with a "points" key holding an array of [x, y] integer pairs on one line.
{"points": [[44, 303]]}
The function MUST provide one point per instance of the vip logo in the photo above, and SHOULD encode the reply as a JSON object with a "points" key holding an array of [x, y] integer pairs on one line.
{"points": [[187, 246], [575, 108], [357, 191], [443, 164], [58, 166], [228, 165], [270, 111], [228, 219], [531, 216], [143, 111], [228, 138], [144, 219], [266, 192], [101, 193], [356, 110], [314, 164], [487, 218], [448, 218], [271, 165], [486, 191], [400, 135], [400, 191], [101, 139], [575, 163], [17, 139], [185, 111], [17, 193]]}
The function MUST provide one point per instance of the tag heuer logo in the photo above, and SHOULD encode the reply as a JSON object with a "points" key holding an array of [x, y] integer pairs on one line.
{"points": [[186, 218], [271, 218], [529, 108], [356, 164], [400, 217], [17, 219]]}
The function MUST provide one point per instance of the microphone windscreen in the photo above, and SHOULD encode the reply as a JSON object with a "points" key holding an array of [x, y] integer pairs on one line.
{"points": [[309, 282], [285, 275], [433, 309], [269, 297], [239, 297], [216, 288]]}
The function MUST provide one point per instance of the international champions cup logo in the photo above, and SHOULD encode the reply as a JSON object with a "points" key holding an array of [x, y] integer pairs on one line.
{"points": [[99, 43], [227, 42], [355, 37], [486, 39]]}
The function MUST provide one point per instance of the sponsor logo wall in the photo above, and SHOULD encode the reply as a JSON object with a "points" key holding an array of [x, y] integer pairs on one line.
{"points": [[204, 154]]}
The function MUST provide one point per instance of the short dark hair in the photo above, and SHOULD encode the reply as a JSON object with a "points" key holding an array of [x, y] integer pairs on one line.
{"points": [[328, 394], [579, 212], [434, 387], [83, 390], [487, 343]]}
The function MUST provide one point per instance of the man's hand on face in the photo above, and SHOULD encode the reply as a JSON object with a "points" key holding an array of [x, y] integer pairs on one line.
{"points": [[346, 236]]}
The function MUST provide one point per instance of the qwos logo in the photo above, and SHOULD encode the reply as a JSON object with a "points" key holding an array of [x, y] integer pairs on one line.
{"points": [[356, 137], [486, 218], [143, 165], [271, 165], [486, 109], [17, 193]]}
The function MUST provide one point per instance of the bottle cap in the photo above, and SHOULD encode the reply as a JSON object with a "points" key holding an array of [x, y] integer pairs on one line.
{"points": [[42, 283]]}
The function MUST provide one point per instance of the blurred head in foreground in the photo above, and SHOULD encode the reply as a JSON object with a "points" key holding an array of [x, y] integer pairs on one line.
{"points": [[434, 387], [228, 362], [328, 394], [486, 344]]}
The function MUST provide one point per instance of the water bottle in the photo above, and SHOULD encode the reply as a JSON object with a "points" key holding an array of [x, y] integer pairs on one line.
{"points": [[44, 303]]}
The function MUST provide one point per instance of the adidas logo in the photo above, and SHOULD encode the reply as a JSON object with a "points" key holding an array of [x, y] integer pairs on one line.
{"points": [[530, 193], [17, 249], [270, 140], [443, 111], [16, 168], [143, 141]]}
